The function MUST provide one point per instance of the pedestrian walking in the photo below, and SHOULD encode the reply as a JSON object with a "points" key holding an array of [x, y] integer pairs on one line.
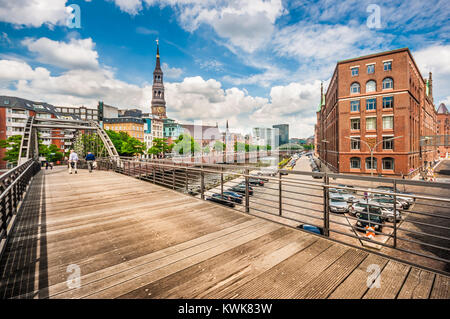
{"points": [[73, 160], [90, 158], [46, 164]]}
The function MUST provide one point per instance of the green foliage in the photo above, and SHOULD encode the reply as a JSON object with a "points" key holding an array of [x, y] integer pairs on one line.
{"points": [[13, 143], [159, 147], [125, 144], [185, 144], [206, 150], [308, 147], [291, 146], [52, 153], [219, 146]]}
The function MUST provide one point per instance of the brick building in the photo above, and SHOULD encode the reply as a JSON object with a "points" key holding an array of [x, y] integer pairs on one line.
{"points": [[14, 112], [131, 125], [382, 100], [443, 129]]}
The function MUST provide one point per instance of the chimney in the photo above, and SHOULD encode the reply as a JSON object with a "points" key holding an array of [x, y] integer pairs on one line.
{"points": [[430, 86]]}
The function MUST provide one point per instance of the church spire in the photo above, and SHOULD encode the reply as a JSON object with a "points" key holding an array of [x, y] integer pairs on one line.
{"points": [[158, 100], [158, 66]]}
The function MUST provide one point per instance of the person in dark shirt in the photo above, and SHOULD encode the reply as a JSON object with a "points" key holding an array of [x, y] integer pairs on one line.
{"points": [[90, 158]]}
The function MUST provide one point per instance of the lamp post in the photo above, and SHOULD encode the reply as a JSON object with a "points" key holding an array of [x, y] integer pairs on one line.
{"points": [[326, 159], [372, 149]]}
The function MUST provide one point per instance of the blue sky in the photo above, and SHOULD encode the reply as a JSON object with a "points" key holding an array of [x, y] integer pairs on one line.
{"points": [[255, 63]]}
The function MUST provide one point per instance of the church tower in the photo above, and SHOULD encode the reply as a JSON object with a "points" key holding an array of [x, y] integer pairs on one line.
{"points": [[158, 101]]}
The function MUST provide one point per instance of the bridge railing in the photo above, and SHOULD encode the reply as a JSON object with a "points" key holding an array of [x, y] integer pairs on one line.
{"points": [[13, 185], [404, 219]]}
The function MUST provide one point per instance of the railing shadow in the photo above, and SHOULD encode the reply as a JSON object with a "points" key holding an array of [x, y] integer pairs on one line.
{"points": [[23, 267]]}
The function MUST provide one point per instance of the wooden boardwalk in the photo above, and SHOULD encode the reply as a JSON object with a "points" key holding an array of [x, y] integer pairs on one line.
{"points": [[132, 239]]}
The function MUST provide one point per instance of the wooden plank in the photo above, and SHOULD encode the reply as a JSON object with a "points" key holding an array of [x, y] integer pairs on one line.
{"points": [[286, 278], [355, 285], [322, 285], [126, 271], [417, 285], [392, 278], [165, 268], [440, 288], [218, 271]]}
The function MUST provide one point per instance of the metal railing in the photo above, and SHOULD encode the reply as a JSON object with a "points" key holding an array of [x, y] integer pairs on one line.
{"points": [[412, 226], [13, 185]]}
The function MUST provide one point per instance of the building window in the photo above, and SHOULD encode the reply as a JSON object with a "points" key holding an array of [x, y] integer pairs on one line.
{"points": [[355, 88], [388, 122], [371, 86], [371, 68], [387, 66], [388, 143], [355, 124], [388, 163], [355, 143], [371, 123], [371, 104], [388, 102], [355, 162], [369, 161], [388, 83], [354, 106], [355, 71]]}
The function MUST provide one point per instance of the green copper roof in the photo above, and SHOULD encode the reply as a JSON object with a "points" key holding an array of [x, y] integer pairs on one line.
{"points": [[428, 87]]}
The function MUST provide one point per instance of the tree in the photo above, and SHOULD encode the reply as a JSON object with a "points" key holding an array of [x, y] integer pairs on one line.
{"points": [[206, 149], [159, 147], [186, 144], [52, 153], [12, 145], [219, 146], [125, 144]]}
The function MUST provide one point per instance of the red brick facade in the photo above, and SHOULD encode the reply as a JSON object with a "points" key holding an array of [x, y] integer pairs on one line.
{"points": [[443, 128], [394, 102]]}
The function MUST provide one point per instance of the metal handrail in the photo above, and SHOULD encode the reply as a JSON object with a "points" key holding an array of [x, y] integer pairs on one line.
{"points": [[185, 177]]}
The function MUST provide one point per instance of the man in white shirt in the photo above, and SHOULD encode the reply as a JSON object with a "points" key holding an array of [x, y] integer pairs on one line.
{"points": [[73, 159]]}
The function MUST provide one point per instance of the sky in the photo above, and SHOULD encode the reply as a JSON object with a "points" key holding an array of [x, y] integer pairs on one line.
{"points": [[254, 63]]}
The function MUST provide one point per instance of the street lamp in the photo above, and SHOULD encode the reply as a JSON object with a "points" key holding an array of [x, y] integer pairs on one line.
{"points": [[372, 149], [326, 159]]}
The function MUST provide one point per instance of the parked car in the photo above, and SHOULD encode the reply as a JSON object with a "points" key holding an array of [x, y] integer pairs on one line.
{"points": [[404, 203], [390, 189], [221, 199], [338, 205], [386, 213], [256, 181], [235, 197], [311, 228], [342, 193], [373, 219], [259, 175], [348, 190], [387, 202], [241, 189]]}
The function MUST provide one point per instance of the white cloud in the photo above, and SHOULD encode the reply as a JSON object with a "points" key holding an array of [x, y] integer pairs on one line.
{"points": [[436, 59], [130, 6], [171, 73], [78, 53], [246, 24], [33, 13]]}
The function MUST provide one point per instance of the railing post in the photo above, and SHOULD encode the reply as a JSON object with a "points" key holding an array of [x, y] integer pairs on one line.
{"points": [[173, 177], [202, 184], [186, 177], [3, 214], [280, 204], [140, 170], [154, 174], [221, 180], [326, 212], [395, 213], [247, 197]]}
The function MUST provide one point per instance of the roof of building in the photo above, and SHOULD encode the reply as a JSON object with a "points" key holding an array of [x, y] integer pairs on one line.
{"points": [[12, 101], [124, 120], [442, 109]]}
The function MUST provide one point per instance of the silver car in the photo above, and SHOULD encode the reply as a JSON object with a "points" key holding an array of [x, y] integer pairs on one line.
{"points": [[338, 205], [386, 213]]}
